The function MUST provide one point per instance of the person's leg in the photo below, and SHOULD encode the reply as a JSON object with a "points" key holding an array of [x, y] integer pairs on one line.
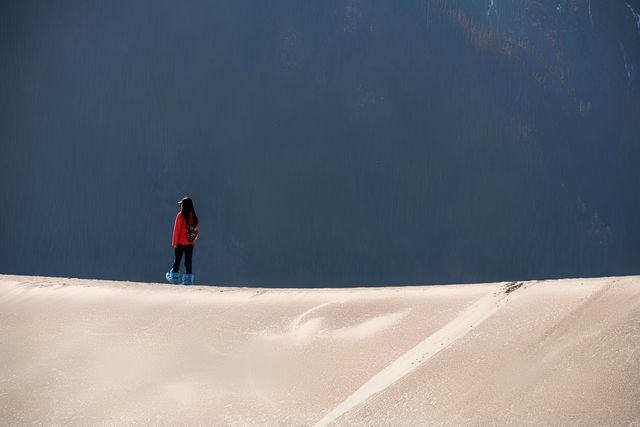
{"points": [[178, 257], [188, 254]]}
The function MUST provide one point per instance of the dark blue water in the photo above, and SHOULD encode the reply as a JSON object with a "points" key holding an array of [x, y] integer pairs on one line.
{"points": [[324, 143]]}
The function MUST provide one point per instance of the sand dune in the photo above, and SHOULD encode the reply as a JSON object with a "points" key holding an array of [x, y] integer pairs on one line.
{"points": [[83, 352]]}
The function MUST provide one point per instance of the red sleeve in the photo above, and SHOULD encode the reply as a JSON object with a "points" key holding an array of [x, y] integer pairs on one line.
{"points": [[177, 226]]}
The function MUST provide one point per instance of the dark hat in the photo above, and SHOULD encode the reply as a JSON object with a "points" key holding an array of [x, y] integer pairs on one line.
{"points": [[183, 199]]}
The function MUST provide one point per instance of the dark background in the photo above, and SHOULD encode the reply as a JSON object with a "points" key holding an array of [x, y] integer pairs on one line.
{"points": [[325, 143]]}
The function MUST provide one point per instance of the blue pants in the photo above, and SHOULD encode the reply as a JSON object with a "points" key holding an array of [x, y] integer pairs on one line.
{"points": [[188, 253]]}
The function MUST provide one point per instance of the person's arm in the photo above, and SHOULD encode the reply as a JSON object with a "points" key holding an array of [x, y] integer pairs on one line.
{"points": [[177, 226]]}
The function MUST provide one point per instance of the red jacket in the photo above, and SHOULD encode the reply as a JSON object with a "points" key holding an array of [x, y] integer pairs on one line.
{"points": [[180, 231]]}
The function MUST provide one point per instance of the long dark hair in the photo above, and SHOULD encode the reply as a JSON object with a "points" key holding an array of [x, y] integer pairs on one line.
{"points": [[188, 210]]}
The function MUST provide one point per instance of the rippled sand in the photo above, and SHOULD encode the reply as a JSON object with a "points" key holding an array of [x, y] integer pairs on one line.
{"points": [[86, 352]]}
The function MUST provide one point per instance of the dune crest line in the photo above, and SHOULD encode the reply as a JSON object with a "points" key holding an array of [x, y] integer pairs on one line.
{"points": [[481, 310]]}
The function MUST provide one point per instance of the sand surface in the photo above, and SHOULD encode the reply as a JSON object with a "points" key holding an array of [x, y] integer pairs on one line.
{"points": [[86, 352]]}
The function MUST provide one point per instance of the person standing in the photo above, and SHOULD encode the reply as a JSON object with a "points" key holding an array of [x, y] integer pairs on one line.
{"points": [[185, 234]]}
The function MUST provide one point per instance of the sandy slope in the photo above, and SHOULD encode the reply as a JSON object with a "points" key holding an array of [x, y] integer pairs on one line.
{"points": [[85, 352]]}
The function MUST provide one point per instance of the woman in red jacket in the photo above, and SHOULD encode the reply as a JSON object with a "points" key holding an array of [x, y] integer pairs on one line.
{"points": [[185, 234]]}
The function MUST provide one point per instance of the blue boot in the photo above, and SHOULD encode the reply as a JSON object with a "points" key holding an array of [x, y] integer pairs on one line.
{"points": [[174, 278], [187, 279]]}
